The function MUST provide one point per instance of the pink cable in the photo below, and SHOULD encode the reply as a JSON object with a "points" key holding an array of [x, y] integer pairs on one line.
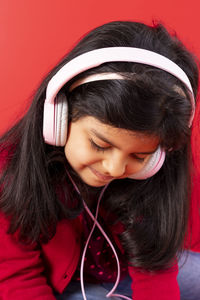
{"points": [[110, 294], [96, 223]]}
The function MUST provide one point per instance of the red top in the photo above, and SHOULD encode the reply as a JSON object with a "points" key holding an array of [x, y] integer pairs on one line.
{"points": [[100, 262], [32, 272]]}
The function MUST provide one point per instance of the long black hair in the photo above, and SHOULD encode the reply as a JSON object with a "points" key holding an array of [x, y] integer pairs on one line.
{"points": [[35, 191]]}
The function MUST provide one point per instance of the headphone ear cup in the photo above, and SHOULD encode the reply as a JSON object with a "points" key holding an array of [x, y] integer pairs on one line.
{"points": [[61, 119], [152, 166]]}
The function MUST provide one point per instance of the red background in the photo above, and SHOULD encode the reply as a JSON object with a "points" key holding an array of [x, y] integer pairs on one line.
{"points": [[35, 34]]}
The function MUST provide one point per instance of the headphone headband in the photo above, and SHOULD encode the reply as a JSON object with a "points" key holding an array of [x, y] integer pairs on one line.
{"points": [[93, 59], [97, 57], [97, 77]]}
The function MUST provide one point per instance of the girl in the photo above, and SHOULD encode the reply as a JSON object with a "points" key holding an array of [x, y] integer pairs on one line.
{"points": [[95, 177]]}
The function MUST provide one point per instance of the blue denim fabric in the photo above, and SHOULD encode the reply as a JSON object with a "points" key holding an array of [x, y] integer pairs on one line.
{"points": [[95, 291], [189, 276], [188, 279]]}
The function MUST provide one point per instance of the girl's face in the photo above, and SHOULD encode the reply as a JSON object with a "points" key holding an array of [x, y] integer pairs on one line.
{"points": [[100, 153]]}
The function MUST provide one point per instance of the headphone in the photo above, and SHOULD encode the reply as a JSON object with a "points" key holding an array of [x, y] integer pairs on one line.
{"points": [[55, 117]]}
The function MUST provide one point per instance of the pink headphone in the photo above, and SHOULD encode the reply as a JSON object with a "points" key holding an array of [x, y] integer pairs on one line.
{"points": [[55, 117]]}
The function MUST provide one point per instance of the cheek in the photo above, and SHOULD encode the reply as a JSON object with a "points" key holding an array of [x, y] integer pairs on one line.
{"points": [[79, 155], [135, 167]]}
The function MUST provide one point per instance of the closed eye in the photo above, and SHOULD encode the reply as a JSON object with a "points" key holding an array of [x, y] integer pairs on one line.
{"points": [[97, 147], [140, 159]]}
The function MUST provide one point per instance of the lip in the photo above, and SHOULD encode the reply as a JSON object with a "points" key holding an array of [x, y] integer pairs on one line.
{"points": [[101, 176]]}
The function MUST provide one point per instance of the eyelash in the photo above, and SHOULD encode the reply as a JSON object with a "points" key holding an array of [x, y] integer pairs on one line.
{"points": [[97, 147], [140, 159], [102, 149]]}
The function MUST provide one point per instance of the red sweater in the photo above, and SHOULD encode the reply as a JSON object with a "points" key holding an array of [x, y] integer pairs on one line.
{"points": [[32, 272]]}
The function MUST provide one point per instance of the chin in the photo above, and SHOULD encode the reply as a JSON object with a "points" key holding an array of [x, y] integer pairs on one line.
{"points": [[93, 183]]}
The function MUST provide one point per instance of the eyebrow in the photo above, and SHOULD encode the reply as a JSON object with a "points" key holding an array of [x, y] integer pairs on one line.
{"points": [[101, 137]]}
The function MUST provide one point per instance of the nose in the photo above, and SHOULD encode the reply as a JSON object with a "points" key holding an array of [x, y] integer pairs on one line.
{"points": [[115, 166]]}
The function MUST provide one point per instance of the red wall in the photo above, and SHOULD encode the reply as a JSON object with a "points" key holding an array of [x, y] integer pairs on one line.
{"points": [[35, 34]]}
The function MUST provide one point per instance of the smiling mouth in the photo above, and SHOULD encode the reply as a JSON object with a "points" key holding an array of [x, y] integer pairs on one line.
{"points": [[101, 176]]}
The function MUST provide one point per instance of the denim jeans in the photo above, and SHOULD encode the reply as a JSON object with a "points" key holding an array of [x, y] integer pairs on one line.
{"points": [[189, 276], [188, 279], [95, 291]]}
